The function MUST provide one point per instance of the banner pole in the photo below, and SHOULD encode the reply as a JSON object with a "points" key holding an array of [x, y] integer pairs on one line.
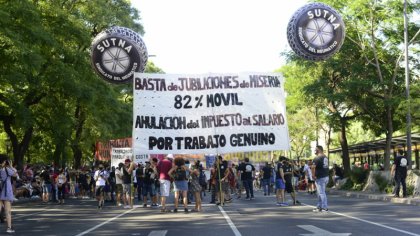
{"points": [[220, 181]]}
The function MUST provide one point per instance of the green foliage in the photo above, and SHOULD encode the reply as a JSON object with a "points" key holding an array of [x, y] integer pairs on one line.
{"points": [[381, 182], [348, 185], [358, 175], [365, 80], [52, 104]]}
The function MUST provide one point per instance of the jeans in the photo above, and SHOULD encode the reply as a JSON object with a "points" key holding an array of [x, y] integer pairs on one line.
{"points": [[248, 187], [321, 184], [139, 189], [400, 180], [266, 186]]}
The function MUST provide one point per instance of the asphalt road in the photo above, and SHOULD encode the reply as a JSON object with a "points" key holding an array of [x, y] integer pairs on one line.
{"points": [[247, 218]]}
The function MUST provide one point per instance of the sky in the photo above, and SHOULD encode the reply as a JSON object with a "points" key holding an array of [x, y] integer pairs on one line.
{"points": [[216, 36]]}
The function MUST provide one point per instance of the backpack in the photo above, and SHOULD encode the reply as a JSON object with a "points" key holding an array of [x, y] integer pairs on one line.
{"points": [[3, 182], [403, 162], [180, 174], [140, 173], [231, 178], [202, 178], [126, 177]]}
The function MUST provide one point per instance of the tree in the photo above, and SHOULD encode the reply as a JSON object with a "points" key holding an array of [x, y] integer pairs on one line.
{"points": [[48, 91], [365, 78]]}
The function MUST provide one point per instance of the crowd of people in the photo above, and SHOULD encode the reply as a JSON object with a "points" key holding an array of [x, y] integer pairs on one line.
{"points": [[151, 183]]}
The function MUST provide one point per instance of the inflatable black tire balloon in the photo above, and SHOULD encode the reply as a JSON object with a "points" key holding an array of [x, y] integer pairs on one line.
{"points": [[315, 32], [118, 52]]}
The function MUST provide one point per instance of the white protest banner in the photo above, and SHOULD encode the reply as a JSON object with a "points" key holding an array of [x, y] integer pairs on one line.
{"points": [[141, 158], [209, 113], [120, 154]]}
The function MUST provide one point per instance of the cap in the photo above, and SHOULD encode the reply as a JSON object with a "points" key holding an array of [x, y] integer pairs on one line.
{"points": [[170, 156]]}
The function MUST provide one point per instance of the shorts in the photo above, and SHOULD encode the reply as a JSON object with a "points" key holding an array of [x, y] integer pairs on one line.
{"points": [[119, 189], [165, 187], [126, 189], [280, 184], [225, 186], [46, 188], [289, 186], [149, 189], [99, 191], [180, 185]]}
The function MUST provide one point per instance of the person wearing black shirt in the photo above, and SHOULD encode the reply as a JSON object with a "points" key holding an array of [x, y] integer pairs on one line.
{"points": [[288, 169], [46, 185], [338, 173], [247, 175], [266, 176], [320, 170], [399, 172]]}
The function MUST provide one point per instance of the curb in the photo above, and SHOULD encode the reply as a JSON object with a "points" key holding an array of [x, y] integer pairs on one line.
{"points": [[377, 197]]}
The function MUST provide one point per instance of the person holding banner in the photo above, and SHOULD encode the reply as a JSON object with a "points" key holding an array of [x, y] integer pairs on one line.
{"points": [[179, 173], [164, 180], [127, 171], [222, 182]]}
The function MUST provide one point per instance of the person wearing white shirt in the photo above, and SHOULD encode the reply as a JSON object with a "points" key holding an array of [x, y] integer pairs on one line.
{"points": [[308, 172], [100, 177], [118, 183]]}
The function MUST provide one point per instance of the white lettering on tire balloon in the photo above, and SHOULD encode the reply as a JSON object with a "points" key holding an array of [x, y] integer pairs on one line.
{"points": [[315, 32], [118, 52]]}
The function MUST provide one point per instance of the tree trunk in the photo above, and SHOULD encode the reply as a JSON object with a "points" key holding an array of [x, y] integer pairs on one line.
{"points": [[80, 116], [59, 147], [344, 146], [19, 148], [77, 155], [390, 130]]}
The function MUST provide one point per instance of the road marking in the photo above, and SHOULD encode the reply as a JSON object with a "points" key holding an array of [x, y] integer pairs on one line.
{"points": [[158, 233], [104, 223], [320, 232], [369, 222], [232, 226], [36, 213]]}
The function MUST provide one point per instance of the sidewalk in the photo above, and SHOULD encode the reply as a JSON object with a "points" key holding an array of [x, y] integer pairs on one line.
{"points": [[376, 196]]}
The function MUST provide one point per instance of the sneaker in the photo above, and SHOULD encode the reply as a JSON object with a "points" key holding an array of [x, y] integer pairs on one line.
{"points": [[297, 203], [265, 194], [252, 198], [119, 204], [317, 209], [278, 204], [164, 210], [10, 230], [186, 210], [247, 198], [144, 205], [175, 210], [228, 200], [284, 204], [324, 210], [127, 207]]}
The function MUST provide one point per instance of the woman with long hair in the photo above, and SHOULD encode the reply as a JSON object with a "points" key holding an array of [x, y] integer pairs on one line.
{"points": [[6, 195], [179, 173], [195, 185]]}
